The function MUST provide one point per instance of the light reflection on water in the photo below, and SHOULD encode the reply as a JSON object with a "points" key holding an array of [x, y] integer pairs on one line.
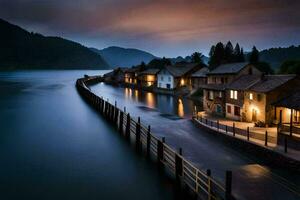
{"points": [[164, 103]]}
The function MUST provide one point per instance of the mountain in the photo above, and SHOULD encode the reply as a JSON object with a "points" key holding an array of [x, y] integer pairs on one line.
{"points": [[20, 49], [276, 56], [123, 57]]}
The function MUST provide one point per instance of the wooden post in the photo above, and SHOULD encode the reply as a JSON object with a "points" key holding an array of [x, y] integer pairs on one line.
{"points": [[248, 133], [121, 122], [178, 165], [233, 129], [208, 173], [148, 141], [266, 138], [285, 144], [291, 123], [228, 185], [127, 131], [138, 135]]}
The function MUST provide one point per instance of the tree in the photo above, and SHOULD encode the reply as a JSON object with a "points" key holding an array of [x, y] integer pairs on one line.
{"points": [[290, 67], [218, 56], [241, 57], [236, 52], [197, 57], [228, 53], [254, 56]]}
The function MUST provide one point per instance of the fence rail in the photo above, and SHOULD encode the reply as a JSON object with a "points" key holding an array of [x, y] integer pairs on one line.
{"points": [[233, 130], [199, 181]]}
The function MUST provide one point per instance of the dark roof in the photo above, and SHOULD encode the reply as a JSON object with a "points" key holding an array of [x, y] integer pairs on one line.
{"points": [[179, 69], [244, 82], [271, 82], [292, 101], [133, 69], [218, 87], [201, 73], [231, 68], [150, 71]]}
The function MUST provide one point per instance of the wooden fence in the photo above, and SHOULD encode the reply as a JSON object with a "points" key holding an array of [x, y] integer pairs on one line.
{"points": [[198, 181]]}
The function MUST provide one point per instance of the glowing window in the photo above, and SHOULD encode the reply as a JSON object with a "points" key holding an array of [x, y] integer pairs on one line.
{"points": [[233, 94], [251, 96]]}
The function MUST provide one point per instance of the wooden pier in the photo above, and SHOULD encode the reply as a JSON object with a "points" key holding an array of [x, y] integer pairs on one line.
{"points": [[200, 182]]}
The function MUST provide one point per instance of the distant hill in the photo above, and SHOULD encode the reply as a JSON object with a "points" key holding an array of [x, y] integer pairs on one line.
{"points": [[20, 49], [276, 56], [118, 56]]}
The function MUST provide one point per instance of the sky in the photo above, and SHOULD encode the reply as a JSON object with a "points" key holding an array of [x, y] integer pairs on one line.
{"points": [[163, 27]]}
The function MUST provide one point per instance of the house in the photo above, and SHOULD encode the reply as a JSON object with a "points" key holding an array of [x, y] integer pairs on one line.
{"points": [[131, 75], [147, 78], [199, 78], [214, 99], [250, 98], [115, 76], [176, 76]]}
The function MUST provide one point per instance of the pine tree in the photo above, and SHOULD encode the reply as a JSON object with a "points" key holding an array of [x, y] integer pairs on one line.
{"points": [[241, 56], [237, 52], [197, 57], [228, 53]]}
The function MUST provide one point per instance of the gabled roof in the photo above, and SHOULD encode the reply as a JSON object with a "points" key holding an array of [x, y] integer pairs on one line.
{"points": [[244, 82], [179, 70], [201, 73], [151, 71], [292, 101], [231, 68], [271, 82]]}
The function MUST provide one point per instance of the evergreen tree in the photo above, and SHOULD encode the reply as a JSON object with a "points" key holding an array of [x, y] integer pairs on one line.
{"points": [[228, 53], [254, 56], [237, 52], [197, 57], [217, 58], [241, 57]]}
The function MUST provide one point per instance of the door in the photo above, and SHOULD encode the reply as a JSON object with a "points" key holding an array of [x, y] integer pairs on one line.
{"points": [[254, 115], [168, 86]]}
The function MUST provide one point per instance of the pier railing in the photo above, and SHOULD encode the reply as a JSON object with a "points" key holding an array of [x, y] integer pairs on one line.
{"points": [[199, 181]]}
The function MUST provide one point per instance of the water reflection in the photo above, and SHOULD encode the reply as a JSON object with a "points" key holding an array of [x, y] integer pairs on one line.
{"points": [[164, 103]]}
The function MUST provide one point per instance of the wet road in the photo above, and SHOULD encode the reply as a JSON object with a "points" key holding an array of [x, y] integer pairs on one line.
{"points": [[169, 117]]}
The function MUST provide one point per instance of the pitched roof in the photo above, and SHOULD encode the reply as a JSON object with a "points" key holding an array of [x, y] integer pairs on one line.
{"points": [[231, 68], [201, 73], [150, 71], [244, 82], [292, 101], [178, 70], [271, 82]]}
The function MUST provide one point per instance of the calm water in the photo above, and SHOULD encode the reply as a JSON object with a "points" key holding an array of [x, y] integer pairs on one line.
{"points": [[54, 146]]}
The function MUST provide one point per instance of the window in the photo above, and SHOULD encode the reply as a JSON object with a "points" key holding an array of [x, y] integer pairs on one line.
{"points": [[160, 85], [233, 94], [237, 110], [162, 78], [220, 94], [169, 78], [259, 97], [214, 79], [229, 109], [222, 80], [251, 96], [211, 95]]}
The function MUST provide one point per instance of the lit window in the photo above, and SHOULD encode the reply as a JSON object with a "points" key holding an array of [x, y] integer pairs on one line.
{"points": [[233, 94], [220, 94], [251, 96]]}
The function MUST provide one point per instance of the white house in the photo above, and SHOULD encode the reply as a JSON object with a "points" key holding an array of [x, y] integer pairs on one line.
{"points": [[175, 76]]}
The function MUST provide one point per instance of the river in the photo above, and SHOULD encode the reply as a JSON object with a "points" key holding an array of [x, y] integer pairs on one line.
{"points": [[55, 146]]}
